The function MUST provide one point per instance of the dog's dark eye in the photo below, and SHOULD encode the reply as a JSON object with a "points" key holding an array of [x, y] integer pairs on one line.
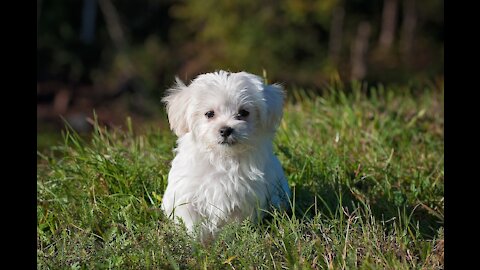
{"points": [[209, 114], [242, 114]]}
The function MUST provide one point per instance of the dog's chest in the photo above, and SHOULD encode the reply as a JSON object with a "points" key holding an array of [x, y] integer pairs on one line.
{"points": [[233, 192]]}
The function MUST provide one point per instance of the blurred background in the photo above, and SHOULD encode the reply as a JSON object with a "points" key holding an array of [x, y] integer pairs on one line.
{"points": [[117, 56]]}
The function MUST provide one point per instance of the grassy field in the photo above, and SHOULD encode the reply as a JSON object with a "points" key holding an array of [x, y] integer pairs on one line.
{"points": [[367, 172]]}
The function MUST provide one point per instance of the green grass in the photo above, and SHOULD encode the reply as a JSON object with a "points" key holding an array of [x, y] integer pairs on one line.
{"points": [[366, 170]]}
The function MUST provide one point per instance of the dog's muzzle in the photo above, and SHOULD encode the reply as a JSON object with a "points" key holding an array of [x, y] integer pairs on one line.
{"points": [[226, 135], [226, 131]]}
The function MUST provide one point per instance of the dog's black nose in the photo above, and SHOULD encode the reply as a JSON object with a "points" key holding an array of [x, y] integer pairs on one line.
{"points": [[226, 131]]}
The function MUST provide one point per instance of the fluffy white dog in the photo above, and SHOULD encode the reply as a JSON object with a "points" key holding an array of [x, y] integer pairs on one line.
{"points": [[224, 169]]}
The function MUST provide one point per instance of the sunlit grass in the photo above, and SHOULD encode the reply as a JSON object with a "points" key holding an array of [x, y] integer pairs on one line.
{"points": [[366, 170]]}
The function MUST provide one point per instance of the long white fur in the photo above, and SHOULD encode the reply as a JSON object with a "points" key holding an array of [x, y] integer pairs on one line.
{"points": [[212, 184]]}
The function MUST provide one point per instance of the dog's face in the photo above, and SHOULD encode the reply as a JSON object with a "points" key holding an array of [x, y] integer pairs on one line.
{"points": [[222, 110]]}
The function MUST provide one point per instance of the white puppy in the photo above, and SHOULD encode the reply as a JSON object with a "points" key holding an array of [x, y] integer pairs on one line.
{"points": [[224, 169]]}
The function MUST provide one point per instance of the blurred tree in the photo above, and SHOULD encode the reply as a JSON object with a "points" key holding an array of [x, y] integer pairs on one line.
{"points": [[302, 42], [389, 23], [335, 39], [359, 51], [288, 38], [408, 29], [89, 15]]}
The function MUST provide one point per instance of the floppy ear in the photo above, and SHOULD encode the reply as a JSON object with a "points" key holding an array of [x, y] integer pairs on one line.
{"points": [[177, 100], [273, 95]]}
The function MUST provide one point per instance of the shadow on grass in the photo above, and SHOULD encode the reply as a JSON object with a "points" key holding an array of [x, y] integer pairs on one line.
{"points": [[330, 198], [327, 197]]}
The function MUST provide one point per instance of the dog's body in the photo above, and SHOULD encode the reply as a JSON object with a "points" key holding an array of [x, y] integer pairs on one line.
{"points": [[224, 169]]}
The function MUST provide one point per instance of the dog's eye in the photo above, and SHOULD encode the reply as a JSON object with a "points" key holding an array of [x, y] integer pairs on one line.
{"points": [[209, 114], [242, 114]]}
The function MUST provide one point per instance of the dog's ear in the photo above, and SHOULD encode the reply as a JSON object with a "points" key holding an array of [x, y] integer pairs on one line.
{"points": [[274, 96], [177, 101]]}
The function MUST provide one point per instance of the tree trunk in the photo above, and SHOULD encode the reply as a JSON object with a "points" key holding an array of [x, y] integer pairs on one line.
{"points": [[89, 15], [336, 32], [116, 33], [113, 24], [389, 21], [359, 51], [408, 28]]}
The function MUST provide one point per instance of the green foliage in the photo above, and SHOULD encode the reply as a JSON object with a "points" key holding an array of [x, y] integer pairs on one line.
{"points": [[366, 169], [253, 35], [290, 38]]}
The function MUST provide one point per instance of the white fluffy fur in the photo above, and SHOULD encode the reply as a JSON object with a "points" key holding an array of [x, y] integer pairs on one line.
{"points": [[210, 183]]}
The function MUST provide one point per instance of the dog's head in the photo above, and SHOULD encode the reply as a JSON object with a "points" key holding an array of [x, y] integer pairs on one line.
{"points": [[225, 110]]}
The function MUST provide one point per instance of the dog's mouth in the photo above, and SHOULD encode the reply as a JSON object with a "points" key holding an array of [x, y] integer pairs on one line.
{"points": [[228, 142]]}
